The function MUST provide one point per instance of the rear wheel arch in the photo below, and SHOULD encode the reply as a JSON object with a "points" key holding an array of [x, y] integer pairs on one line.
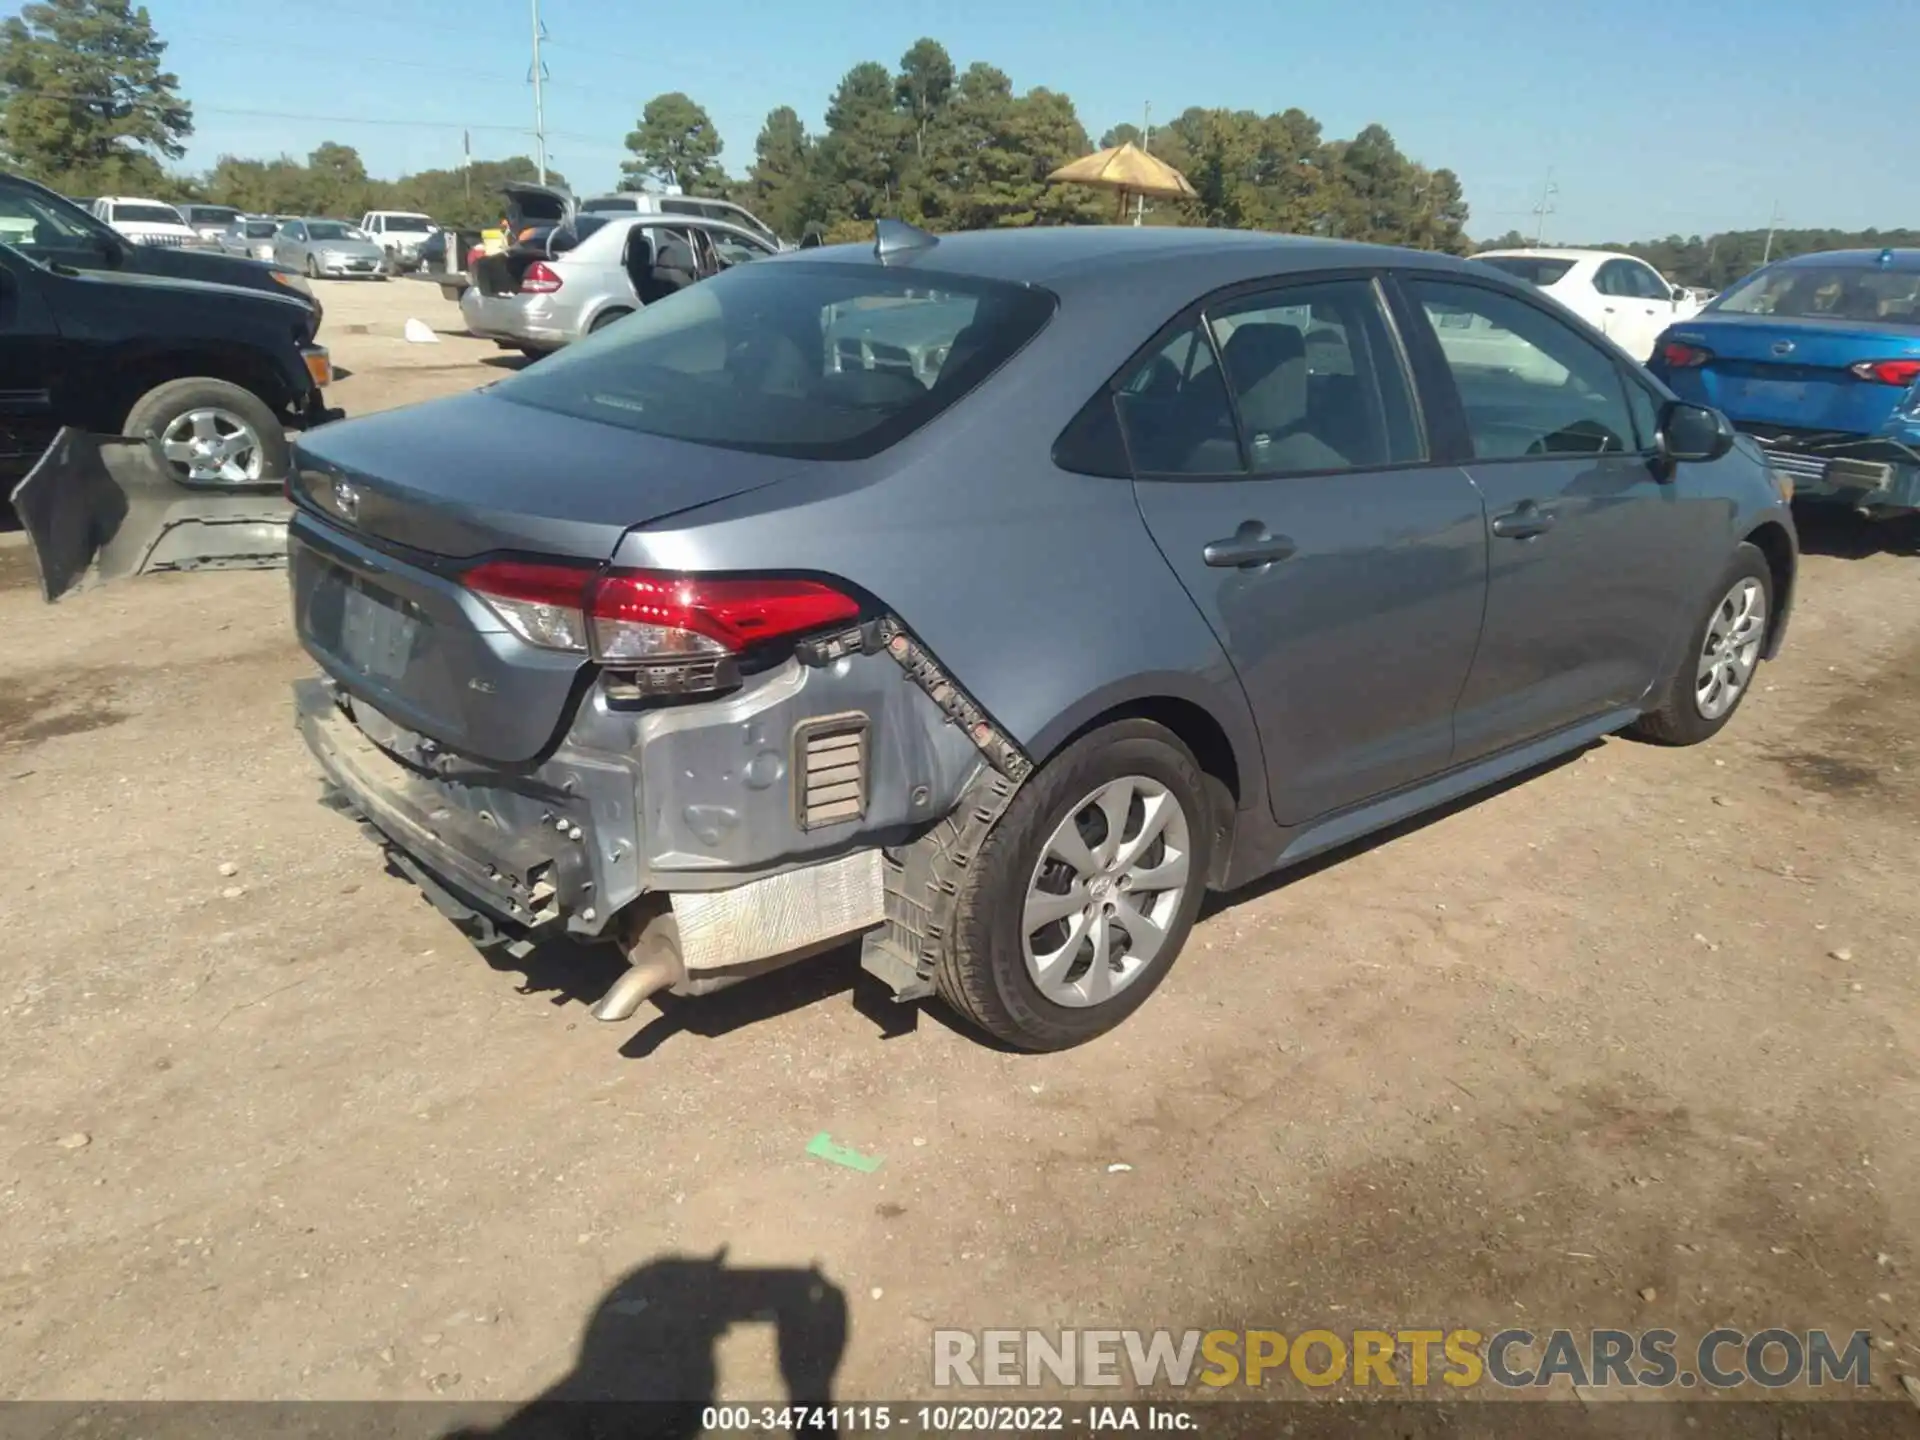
{"points": [[1771, 539], [1228, 767]]}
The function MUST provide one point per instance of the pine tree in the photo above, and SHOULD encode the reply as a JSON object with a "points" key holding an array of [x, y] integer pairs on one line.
{"points": [[87, 104]]}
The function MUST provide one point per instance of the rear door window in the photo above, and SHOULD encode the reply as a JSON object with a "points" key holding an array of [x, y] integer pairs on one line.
{"points": [[812, 361], [1317, 379], [1175, 412]]}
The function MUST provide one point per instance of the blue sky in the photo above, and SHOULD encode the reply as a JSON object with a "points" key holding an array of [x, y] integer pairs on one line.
{"points": [[1653, 116]]}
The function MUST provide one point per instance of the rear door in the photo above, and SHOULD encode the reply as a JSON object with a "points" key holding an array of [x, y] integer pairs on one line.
{"points": [[1637, 303], [1281, 468], [1589, 555]]}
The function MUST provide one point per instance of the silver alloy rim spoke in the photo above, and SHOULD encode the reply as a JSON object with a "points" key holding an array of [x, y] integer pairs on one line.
{"points": [[213, 444], [1735, 634], [1105, 892]]}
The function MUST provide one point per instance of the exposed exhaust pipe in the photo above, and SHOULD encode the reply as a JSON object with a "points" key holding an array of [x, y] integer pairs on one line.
{"points": [[654, 949]]}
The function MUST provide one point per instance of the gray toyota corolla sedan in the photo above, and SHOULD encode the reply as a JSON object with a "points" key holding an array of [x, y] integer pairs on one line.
{"points": [[746, 627]]}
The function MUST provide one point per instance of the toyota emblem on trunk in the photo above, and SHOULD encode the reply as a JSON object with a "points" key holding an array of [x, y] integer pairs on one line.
{"points": [[346, 500], [1783, 347]]}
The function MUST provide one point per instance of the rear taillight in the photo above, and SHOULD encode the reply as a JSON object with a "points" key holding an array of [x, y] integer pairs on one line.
{"points": [[1888, 372], [539, 279], [633, 619], [639, 617], [544, 605], [1678, 356]]}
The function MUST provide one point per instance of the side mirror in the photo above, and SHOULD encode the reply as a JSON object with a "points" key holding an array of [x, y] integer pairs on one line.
{"points": [[113, 250], [1690, 435]]}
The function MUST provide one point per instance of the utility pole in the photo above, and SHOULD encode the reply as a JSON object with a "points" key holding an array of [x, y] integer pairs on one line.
{"points": [[539, 106], [1146, 143], [1773, 223], [1544, 209]]}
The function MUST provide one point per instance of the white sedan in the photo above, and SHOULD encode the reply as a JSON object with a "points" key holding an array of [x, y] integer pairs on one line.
{"points": [[1626, 298]]}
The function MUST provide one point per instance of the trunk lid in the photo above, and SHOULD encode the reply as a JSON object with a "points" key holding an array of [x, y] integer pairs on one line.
{"points": [[392, 508], [530, 204], [1792, 373]]}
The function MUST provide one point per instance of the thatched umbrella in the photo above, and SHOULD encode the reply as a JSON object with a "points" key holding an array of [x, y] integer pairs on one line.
{"points": [[1129, 170]]}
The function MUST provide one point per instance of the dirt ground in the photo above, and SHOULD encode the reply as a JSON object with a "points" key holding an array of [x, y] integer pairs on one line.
{"points": [[1632, 1042]]}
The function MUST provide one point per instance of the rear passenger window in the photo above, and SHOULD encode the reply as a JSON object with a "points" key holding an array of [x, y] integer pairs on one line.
{"points": [[1175, 412], [1529, 383], [1317, 379]]}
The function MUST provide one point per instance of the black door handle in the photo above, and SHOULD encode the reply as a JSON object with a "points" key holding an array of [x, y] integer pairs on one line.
{"points": [[1248, 548], [1523, 522]]}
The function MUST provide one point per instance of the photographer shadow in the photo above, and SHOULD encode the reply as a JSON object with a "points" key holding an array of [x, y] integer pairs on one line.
{"points": [[647, 1364]]}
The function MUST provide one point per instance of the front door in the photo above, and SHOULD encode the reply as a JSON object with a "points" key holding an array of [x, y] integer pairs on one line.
{"points": [[1638, 305], [1586, 547], [32, 368], [1282, 472]]}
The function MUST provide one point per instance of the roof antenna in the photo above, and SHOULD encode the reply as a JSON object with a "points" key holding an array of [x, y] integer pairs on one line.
{"points": [[897, 237]]}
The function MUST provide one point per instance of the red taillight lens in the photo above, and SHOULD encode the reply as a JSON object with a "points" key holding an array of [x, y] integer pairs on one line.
{"points": [[544, 605], [633, 617], [639, 617], [539, 279], [1888, 372], [1676, 356]]}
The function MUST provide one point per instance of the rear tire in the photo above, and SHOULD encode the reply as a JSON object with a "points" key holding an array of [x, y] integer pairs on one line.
{"points": [[1721, 659], [170, 408], [1044, 988]]}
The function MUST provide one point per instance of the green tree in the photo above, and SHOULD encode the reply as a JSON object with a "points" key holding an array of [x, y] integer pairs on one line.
{"points": [[923, 87], [87, 104], [675, 143], [1373, 188], [1120, 134], [861, 150], [780, 185], [338, 181], [988, 159]]}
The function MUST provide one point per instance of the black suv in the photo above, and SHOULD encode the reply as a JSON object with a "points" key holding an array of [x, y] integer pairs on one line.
{"points": [[212, 372], [47, 226]]}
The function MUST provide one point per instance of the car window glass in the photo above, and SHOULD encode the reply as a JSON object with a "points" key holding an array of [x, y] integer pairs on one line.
{"points": [[1316, 379], [1175, 412], [1647, 285], [1529, 384], [1646, 414], [824, 361], [30, 224], [1614, 279]]}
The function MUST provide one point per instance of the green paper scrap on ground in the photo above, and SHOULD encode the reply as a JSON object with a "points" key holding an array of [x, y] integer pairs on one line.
{"points": [[822, 1145]]}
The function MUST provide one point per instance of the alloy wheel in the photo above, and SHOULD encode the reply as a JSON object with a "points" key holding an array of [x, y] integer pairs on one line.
{"points": [[1735, 632], [211, 444], [1106, 891]]}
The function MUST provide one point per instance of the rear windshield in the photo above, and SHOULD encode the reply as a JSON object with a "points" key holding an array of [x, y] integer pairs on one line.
{"points": [[1827, 292], [147, 214], [810, 361], [212, 214], [1534, 269], [408, 224], [260, 229]]}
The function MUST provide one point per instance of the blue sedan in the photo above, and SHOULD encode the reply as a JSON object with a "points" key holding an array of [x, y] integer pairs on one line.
{"points": [[1818, 358]]}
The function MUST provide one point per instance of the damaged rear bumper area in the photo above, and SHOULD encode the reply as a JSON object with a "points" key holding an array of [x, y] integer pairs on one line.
{"points": [[99, 508], [1877, 476], [710, 842]]}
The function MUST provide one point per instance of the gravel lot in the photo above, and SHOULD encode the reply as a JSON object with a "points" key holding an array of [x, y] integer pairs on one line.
{"points": [[1632, 1042]]}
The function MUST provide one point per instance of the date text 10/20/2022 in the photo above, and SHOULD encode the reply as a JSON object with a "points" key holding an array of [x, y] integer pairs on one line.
{"points": [[943, 1419]]}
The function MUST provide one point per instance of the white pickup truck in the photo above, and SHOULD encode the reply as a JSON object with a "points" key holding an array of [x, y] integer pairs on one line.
{"points": [[400, 233]]}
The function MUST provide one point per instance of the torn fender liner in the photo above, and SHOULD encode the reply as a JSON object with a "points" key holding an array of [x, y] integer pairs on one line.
{"points": [[108, 506]]}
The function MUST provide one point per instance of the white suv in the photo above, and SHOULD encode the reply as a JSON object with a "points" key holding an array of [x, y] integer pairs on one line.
{"points": [[635, 202], [145, 222], [400, 233]]}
